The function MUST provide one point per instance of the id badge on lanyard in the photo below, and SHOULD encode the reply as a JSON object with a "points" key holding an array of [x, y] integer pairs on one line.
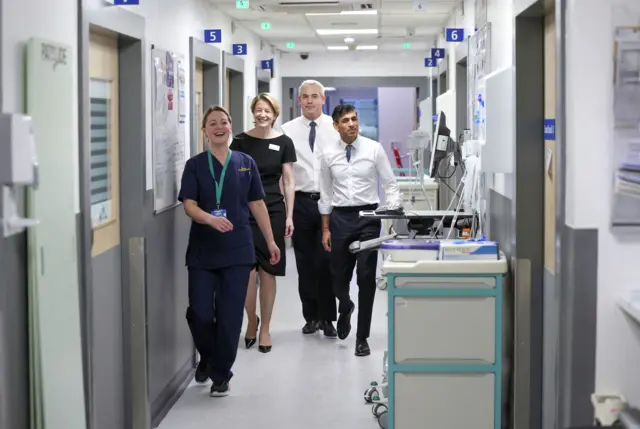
{"points": [[218, 212]]}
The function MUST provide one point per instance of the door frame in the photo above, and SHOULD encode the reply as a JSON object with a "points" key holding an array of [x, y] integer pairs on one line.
{"points": [[130, 30]]}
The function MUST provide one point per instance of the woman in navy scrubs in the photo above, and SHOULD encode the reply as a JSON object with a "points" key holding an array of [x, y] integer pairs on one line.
{"points": [[274, 154], [219, 189]]}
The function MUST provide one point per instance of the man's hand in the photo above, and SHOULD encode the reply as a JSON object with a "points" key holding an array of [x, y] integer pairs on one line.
{"points": [[220, 224], [274, 251], [326, 240], [288, 228]]}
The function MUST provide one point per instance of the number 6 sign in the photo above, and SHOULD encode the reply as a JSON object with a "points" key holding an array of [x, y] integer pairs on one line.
{"points": [[454, 35]]}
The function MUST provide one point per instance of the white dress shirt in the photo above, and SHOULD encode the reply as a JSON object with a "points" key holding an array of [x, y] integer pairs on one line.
{"points": [[305, 169], [355, 183]]}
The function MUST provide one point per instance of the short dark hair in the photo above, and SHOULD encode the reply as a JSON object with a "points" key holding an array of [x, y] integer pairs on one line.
{"points": [[341, 110]]}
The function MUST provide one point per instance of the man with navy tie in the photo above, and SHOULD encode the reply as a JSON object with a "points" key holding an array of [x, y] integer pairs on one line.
{"points": [[310, 132], [350, 168]]}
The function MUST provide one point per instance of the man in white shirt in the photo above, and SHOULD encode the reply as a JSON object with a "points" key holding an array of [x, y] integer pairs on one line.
{"points": [[309, 133], [349, 172]]}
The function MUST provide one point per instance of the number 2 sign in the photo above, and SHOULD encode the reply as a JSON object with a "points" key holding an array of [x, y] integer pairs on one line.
{"points": [[430, 62]]}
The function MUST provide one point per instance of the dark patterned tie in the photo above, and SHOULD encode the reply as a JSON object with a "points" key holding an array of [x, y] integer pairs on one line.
{"points": [[312, 134], [348, 149]]}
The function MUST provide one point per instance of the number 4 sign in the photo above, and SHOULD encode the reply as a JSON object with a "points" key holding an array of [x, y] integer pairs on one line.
{"points": [[454, 35], [437, 53]]}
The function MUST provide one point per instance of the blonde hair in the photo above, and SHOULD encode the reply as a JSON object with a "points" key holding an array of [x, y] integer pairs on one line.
{"points": [[270, 100], [212, 109]]}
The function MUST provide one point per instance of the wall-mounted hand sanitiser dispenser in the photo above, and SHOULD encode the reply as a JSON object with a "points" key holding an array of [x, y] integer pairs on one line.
{"points": [[18, 168]]}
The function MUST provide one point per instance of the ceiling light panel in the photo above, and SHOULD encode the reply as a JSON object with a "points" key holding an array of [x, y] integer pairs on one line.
{"points": [[366, 47], [345, 12], [345, 31], [337, 48]]}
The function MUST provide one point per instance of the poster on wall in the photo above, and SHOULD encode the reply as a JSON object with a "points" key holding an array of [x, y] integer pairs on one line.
{"points": [[626, 133], [168, 133]]}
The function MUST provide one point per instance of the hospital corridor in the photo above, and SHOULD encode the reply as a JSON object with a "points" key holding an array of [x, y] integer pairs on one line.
{"points": [[311, 214]]}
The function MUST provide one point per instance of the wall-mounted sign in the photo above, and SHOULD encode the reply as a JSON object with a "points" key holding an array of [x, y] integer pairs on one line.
{"points": [[437, 53], [549, 129], [430, 62], [454, 35], [126, 2], [265, 25], [266, 64], [213, 36], [240, 49], [291, 45], [242, 4]]}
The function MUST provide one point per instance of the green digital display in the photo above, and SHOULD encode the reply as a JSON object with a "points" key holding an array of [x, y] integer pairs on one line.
{"points": [[265, 26], [291, 45], [406, 45], [242, 4]]}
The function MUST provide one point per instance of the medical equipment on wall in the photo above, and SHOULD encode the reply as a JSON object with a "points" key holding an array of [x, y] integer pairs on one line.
{"points": [[18, 168]]}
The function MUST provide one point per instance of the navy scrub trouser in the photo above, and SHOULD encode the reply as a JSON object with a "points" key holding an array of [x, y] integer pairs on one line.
{"points": [[216, 309]]}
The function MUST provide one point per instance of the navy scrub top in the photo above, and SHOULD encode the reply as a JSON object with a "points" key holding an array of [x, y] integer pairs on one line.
{"points": [[209, 249]]}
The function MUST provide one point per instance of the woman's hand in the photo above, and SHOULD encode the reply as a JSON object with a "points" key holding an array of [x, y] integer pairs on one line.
{"points": [[326, 240], [288, 228], [220, 223], [274, 251]]}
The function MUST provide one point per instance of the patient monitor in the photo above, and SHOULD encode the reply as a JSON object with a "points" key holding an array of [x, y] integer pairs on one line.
{"points": [[439, 145]]}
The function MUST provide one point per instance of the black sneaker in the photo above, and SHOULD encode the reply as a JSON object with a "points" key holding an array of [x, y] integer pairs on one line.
{"points": [[219, 389], [328, 329], [202, 372]]}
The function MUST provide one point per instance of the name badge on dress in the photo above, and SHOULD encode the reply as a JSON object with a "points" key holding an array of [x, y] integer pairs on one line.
{"points": [[219, 213], [274, 147]]}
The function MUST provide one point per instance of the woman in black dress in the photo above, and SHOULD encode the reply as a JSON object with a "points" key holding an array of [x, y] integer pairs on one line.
{"points": [[274, 154]]}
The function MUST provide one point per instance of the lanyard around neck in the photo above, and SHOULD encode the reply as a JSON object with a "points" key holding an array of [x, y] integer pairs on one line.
{"points": [[224, 172]]}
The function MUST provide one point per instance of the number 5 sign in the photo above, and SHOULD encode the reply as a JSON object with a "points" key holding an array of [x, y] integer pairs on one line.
{"points": [[213, 36], [454, 35]]}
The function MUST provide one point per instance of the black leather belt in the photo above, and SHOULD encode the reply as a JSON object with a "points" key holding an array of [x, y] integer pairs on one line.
{"points": [[312, 195], [356, 209]]}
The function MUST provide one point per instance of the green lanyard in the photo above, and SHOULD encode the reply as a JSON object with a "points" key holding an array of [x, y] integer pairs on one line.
{"points": [[224, 172]]}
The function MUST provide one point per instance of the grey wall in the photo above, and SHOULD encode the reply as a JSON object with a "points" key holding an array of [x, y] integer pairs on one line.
{"points": [[290, 86], [140, 346], [14, 335]]}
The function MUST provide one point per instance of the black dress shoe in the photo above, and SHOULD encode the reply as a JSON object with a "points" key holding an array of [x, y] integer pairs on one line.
{"points": [[328, 329], [310, 327], [202, 371], [250, 342], [362, 348], [344, 323]]}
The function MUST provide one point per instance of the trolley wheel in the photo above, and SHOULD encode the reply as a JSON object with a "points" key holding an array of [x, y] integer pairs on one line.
{"points": [[382, 283], [369, 394], [378, 409], [383, 419]]}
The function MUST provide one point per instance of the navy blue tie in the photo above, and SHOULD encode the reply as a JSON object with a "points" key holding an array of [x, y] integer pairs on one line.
{"points": [[348, 149], [312, 134]]}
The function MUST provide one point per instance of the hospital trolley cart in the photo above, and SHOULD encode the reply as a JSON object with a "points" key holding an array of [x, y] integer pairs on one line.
{"points": [[445, 343]]}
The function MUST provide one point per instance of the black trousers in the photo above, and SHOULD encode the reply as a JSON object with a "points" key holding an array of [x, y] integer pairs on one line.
{"points": [[313, 263], [216, 309], [346, 227]]}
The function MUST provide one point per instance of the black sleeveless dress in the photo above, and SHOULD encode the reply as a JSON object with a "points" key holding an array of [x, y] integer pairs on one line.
{"points": [[269, 155]]}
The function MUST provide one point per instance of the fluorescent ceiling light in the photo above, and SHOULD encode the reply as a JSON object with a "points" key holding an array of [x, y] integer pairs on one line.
{"points": [[338, 48], [345, 32], [348, 40], [366, 47], [329, 89], [344, 12]]}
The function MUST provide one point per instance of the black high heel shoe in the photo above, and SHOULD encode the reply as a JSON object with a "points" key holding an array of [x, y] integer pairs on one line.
{"points": [[263, 348], [250, 342]]}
